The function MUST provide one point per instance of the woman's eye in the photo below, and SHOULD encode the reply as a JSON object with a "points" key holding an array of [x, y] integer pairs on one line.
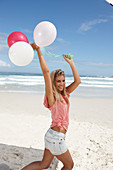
{"points": [[58, 81]]}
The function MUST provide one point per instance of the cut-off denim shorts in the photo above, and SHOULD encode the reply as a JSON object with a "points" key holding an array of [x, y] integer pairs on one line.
{"points": [[55, 142]]}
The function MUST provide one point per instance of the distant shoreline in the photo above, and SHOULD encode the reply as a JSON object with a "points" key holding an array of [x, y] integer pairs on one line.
{"points": [[40, 74]]}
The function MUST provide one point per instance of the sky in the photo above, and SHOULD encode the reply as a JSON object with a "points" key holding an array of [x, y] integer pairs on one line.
{"points": [[84, 29]]}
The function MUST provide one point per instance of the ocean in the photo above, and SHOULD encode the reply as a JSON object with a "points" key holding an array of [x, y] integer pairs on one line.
{"points": [[34, 83]]}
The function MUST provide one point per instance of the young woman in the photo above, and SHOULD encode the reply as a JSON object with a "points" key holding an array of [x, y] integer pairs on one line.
{"points": [[57, 101]]}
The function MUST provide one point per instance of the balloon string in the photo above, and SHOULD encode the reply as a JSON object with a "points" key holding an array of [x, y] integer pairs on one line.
{"points": [[69, 56], [53, 55], [50, 54]]}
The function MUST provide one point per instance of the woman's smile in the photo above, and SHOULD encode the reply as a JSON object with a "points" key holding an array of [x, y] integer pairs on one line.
{"points": [[60, 83]]}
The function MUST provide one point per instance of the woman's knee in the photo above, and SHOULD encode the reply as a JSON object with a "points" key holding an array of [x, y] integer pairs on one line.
{"points": [[70, 166]]}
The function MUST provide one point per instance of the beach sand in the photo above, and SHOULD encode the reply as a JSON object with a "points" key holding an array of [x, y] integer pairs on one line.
{"points": [[24, 121]]}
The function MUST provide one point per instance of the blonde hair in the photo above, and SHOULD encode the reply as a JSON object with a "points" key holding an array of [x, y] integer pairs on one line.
{"points": [[55, 74]]}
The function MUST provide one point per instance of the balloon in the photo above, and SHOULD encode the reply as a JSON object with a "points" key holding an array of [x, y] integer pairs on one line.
{"points": [[15, 37], [110, 2], [44, 33], [21, 53]]}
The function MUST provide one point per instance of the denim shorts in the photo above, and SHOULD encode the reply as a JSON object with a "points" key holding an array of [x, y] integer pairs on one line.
{"points": [[55, 142]]}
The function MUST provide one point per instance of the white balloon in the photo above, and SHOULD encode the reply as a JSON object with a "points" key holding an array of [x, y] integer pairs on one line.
{"points": [[44, 33], [21, 53], [110, 2]]}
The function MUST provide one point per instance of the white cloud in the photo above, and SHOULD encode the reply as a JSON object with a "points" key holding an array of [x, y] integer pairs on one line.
{"points": [[95, 64], [111, 16], [3, 41], [3, 47], [53, 47], [4, 64], [27, 31], [89, 25], [61, 40], [57, 61], [3, 34]]}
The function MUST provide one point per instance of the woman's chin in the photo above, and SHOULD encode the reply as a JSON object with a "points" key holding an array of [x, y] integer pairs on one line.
{"points": [[60, 90]]}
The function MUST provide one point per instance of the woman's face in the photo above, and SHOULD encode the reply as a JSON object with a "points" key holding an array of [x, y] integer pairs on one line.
{"points": [[60, 83]]}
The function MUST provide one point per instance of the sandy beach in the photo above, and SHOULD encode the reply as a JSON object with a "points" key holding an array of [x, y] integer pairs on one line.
{"points": [[24, 121]]}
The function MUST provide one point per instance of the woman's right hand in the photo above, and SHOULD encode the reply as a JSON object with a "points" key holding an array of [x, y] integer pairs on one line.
{"points": [[35, 47]]}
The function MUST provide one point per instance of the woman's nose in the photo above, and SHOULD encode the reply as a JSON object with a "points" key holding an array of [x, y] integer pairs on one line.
{"points": [[62, 83]]}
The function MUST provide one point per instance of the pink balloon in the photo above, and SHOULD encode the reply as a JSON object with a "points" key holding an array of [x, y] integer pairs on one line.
{"points": [[15, 37]]}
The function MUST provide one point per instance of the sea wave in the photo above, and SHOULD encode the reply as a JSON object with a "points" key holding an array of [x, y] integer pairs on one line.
{"points": [[22, 80]]}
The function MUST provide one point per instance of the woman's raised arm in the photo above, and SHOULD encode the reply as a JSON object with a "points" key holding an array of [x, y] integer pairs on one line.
{"points": [[76, 76], [46, 74]]}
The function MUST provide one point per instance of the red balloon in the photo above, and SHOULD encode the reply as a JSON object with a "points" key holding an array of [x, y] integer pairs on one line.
{"points": [[15, 37]]}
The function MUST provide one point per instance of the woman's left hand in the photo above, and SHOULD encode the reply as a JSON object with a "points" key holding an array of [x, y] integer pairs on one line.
{"points": [[67, 59]]}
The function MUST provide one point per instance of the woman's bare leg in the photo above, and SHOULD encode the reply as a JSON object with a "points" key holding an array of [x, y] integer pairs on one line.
{"points": [[44, 164], [66, 159]]}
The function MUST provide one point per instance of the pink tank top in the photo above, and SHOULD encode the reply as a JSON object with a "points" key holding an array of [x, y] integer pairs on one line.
{"points": [[59, 112]]}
